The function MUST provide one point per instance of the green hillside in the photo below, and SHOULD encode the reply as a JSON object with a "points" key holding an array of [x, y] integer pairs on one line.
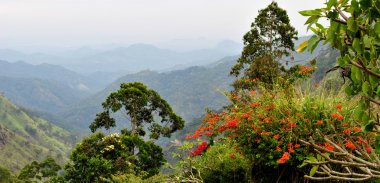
{"points": [[24, 138]]}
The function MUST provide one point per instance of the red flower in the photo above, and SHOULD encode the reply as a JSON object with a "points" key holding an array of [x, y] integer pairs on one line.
{"points": [[276, 136], [285, 157], [297, 146], [208, 134], [232, 156], [347, 131], [339, 106], [329, 146], [357, 129], [232, 123], [340, 118], [199, 149], [221, 129], [360, 140], [369, 150], [291, 148], [350, 145], [319, 122], [292, 125], [334, 115]]}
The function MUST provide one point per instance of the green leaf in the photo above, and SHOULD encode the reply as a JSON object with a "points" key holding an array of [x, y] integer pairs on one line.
{"points": [[366, 88], [352, 25], [365, 4], [303, 164], [354, 8], [320, 26], [358, 114], [378, 91], [377, 28], [374, 81], [331, 3], [313, 43], [356, 75], [357, 46], [313, 170], [341, 62], [349, 90], [302, 46], [368, 127], [316, 12], [312, 19], [367, 41]]}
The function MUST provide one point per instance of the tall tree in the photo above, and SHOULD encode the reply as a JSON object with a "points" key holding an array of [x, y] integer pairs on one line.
{"points": [[140, 104], [270, 38]]}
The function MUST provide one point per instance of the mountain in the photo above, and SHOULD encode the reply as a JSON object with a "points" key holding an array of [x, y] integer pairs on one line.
{"points": [[54, 73], [188, 91], [39, 94], [130, 59], [25, 138]]}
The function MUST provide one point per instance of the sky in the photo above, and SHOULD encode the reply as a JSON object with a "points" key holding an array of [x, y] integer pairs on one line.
{"points": [[31, 25]]}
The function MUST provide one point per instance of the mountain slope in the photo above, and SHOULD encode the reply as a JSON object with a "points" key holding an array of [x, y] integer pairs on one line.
{"points": [[24, 138], [53, 73], [188, 91], [39, 94]]}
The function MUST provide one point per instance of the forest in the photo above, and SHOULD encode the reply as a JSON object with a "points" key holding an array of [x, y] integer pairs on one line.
{"points": [[280, 121]]}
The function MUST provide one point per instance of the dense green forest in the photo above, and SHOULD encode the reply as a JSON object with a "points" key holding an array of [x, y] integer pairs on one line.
{"points": [[275, 113]]}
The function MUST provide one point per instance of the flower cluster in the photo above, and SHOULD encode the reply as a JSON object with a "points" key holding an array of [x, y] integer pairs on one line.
{"points": [[268, 127], [198, 151], [285, 157]]}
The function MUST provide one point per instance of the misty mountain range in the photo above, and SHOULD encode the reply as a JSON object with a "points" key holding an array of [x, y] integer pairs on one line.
{"points": [[133, 58], [72, 99]]}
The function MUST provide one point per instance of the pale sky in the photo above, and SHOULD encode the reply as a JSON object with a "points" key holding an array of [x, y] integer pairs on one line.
{"points": [[29, 24]]}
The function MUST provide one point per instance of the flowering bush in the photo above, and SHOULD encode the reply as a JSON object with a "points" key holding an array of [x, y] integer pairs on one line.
{"points": [[221, 163], [267, 127]]}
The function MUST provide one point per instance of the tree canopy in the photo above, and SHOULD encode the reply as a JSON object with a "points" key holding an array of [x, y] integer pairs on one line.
{"points": [[141, 104], [271, 37]]}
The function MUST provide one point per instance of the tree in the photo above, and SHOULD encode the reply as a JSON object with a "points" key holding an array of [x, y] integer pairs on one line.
{"points": [[271, 37], [139, 103], [354, 30], [100, 157], [44, 170]]}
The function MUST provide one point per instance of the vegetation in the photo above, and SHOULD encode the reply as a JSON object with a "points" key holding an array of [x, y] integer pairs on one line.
{"points": [[354, 30], [270, 38], [283, 129], [139, 103], [25, 138]]}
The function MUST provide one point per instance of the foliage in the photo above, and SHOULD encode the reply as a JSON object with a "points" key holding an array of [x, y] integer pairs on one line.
{"points": [[5, 175], [20, 146], [101, 156], [139, 103], [267, 127], [221, 163], [39, 171], [131, 178], [271, 37], [354, 30]]}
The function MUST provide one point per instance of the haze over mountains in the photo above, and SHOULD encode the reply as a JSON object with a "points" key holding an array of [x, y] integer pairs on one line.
{"points": [[190, 81], [124, 60], [67, 88]]}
